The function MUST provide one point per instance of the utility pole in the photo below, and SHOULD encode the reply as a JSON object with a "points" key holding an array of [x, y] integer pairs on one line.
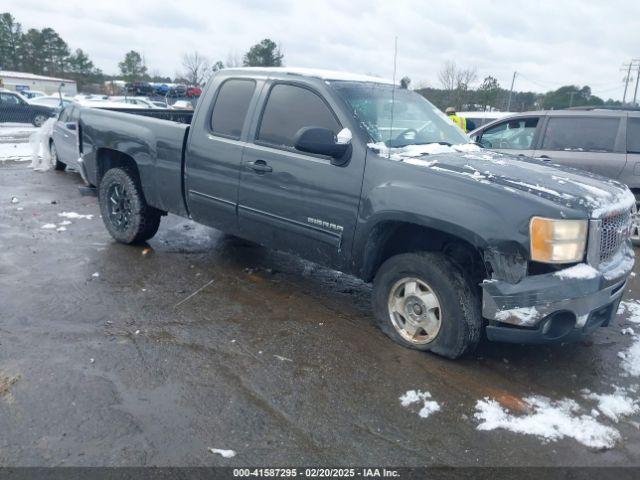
{"points": [[635, 93], [626, 81], [513, 80]]}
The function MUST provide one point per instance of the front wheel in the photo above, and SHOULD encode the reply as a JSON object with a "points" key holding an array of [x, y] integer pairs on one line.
{"points": [[57, 164], [635, 222], [423, 301], [124, 209]]}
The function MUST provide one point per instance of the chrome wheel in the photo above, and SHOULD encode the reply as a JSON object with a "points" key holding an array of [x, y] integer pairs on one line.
{"points": [[414, 311], [119, 207], [635, 224]]}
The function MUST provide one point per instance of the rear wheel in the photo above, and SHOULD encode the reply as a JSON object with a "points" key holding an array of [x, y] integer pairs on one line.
{"points": [[124, 209], [425, 302], [39, 119], [57, 164]]}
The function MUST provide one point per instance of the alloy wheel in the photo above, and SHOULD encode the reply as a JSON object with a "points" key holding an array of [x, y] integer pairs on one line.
{"points": [[414, 310]]}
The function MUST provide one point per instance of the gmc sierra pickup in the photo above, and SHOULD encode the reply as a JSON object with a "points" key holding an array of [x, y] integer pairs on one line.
{"points": [[361, 176]]}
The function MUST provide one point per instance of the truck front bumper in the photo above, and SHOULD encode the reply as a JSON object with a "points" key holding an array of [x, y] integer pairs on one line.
{"points": [[553, 307]]}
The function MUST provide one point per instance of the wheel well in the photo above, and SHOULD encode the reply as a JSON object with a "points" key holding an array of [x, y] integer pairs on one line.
{"points": [[106, 159], [393, 238]]}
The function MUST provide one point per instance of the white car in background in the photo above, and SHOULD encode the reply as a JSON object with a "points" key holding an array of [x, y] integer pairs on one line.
{"points": [[182, 105], [31, 94], [140, 101], [52, 101]]}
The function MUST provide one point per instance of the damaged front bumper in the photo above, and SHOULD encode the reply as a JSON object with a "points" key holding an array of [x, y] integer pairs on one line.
{"points": [[556, 307]]}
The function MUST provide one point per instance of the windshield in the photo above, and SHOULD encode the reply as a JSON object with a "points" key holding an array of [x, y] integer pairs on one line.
{"points": [[412, 121]]}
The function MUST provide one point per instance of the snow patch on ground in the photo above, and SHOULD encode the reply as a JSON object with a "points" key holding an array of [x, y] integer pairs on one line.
{"points": [[222, 452], [614, 405], [49, 226], [631, 358], [15, 152], [75, 215], [631, 307], [549, 420], [582, 270], [416, 396]]}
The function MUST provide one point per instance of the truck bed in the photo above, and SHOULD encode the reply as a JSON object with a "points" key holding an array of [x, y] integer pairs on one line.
{"points": [[153, 139], [180, 116]]}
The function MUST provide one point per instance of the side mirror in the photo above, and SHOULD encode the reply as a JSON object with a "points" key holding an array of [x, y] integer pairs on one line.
{"points": [[323, 141], [71, 126]]}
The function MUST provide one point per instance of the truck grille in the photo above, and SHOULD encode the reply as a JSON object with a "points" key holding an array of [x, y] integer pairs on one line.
{"points": [[615, 230]]}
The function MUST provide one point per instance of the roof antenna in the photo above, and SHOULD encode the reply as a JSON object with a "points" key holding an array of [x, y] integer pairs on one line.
{"points": [[393, 94]]}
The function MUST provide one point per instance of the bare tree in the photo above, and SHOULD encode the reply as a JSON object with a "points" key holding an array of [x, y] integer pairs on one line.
{"points": [[447, 76], [457, 81], [233, 60], [196, 68]]}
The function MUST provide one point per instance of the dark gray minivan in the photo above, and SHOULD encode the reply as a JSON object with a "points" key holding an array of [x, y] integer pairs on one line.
{"points": [[603, 141]]}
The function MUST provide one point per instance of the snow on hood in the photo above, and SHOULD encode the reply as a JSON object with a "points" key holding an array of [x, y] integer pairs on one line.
{"points": [[563, 185]]}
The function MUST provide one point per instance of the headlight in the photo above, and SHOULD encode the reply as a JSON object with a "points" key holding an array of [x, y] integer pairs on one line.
{"points": [[557, 241]]}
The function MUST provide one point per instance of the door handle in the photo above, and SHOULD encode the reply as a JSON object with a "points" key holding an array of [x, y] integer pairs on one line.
{"points": [[260, 166], [544, 158]]}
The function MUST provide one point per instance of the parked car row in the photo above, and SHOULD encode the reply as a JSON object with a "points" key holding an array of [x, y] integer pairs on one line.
{"points": [[146, 88]]}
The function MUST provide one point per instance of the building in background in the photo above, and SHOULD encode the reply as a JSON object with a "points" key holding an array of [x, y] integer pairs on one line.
{"points": [[20, 81]]}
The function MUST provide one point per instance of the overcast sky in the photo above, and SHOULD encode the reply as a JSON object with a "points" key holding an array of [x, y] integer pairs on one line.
{"points": [[549, 42]]}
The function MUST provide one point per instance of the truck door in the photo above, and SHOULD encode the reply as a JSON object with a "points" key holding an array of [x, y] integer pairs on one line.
{"points": [[592, 143], [296, 201], [214, 154], [65, 135]]}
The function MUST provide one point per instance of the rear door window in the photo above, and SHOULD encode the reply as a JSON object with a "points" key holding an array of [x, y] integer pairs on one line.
{"points": [[290, 108], [589, 134], [74, 114], [231, 107], [515, 134], [9, 100], [633, 135], [64, 114]]}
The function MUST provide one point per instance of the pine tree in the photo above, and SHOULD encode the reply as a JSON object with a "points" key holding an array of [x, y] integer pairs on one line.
{"points": [[264, 54]]}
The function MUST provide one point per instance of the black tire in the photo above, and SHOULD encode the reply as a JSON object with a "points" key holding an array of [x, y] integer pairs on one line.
{"points": [[460, 308], [124, 209], [635, 232], [57, 164]]}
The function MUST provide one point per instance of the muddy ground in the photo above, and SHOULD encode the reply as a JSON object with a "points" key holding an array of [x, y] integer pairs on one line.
{"points": [[107, 357]]}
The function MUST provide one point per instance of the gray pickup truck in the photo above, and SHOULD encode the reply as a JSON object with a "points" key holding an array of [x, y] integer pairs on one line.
{"points": [[358, 175]]}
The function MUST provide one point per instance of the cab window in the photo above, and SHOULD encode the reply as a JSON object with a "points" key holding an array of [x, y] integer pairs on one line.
{"points": [[231, 107], [516, 134], [290, 108]]}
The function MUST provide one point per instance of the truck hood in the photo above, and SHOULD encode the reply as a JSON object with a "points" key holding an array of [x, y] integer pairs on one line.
{"points": [[565, 186]]}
